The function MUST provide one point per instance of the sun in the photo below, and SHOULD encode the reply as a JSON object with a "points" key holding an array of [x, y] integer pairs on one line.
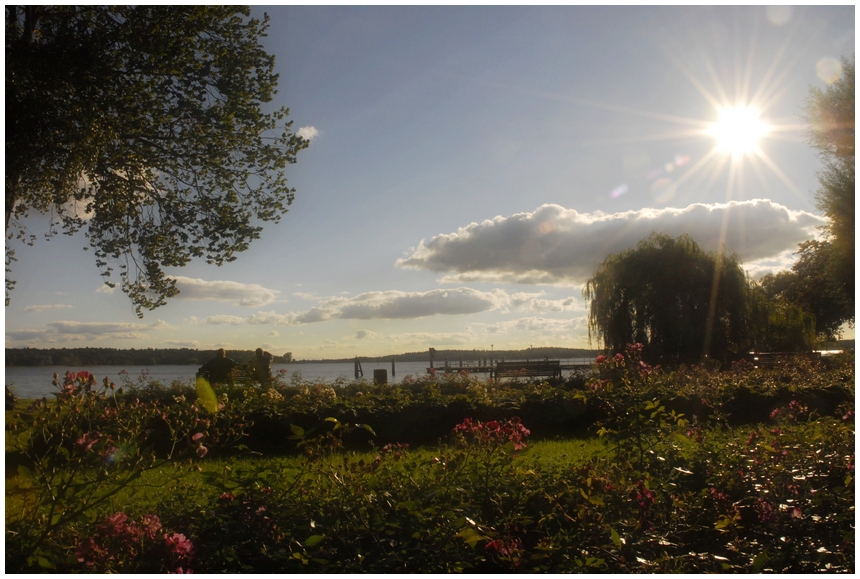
{"points": [[738, 130]]}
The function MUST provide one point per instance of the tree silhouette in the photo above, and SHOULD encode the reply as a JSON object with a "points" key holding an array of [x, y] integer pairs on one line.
{"points": [[144, 125], [681, 302], [830, 114]]}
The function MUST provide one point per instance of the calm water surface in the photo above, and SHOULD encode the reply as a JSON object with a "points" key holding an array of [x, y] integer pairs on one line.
{"points": [[35, 381]]}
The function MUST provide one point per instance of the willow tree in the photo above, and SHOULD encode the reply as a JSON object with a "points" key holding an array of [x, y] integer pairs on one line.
{"points": [[144, 126], [681, 302]]}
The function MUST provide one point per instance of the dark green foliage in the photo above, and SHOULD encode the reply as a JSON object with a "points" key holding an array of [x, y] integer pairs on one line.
{"points": [[776, 322], [677, 490], [831, 115], [680, 302], [145, 126], [809, 286]]}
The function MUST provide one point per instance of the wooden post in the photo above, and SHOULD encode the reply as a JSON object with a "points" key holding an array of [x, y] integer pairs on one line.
{"points": [[392, 369], [358, 370], [380, 376]]}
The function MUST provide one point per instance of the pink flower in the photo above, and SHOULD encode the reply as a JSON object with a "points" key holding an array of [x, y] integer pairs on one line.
{"points": [[619, 357], [201, 451], [637, 347], [600, 359], [151, 525], [87, 441], [775, 413], [180, 571], [797, 513], [114, 524], [89, 552], [227, 497], [197, 436], [179, 544]]}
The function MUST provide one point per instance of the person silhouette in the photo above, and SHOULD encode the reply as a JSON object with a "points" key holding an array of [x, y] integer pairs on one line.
{"points": [[219, 369], [260, 367]]}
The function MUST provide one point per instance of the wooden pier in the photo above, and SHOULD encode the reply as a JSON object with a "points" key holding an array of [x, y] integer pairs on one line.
{"points": [[512, 368]]}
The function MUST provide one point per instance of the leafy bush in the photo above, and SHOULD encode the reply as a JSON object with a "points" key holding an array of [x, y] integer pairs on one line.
{"points": [[685, 483]]}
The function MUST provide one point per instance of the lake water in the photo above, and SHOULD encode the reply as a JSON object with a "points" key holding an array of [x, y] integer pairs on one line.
{"points": [[35, 381]]}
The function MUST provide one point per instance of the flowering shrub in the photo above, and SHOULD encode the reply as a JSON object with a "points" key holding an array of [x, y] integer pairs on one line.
{"points": [[508, 434], [626, 391], [121, 545], [774, 496]]}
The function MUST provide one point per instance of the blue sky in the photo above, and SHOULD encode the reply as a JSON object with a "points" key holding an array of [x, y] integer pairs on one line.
{"points": [[468, 169]]}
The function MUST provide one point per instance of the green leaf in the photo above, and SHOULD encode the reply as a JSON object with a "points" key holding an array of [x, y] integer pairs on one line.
{"points": [[471, 536], [314, 540], [367, 428], [45, 563], [723, 522], [616, 538], [759, 561], [297, 430], [206, 396], [408, 505]]}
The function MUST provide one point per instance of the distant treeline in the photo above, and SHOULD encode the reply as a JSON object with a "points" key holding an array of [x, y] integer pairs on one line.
{"points": [[117, 357], [529, 353], [172, 356]]}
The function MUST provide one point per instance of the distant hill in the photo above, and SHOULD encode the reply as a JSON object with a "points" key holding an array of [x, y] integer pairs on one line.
{"points": [[552, 353]]}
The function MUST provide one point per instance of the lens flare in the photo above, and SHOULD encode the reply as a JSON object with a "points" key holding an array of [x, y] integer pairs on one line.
{"points": [[828, 69], [619, 191]]}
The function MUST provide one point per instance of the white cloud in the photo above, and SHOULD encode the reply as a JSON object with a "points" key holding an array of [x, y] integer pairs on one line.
{"points": [[309, 133], [72, 331], [242, 294], [224, 319], [362, 334], [408, 305], [522, 301], [105, 289], [98, 328], [391, 305], [28, 335], [274, 334], [554, 245], [46, 307], [182, 344], [780, 262]]}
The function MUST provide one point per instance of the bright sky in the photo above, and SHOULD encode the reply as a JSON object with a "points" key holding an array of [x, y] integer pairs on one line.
{"points": [[470, 166]]}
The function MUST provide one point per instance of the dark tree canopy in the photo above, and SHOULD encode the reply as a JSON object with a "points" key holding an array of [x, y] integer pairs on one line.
{"points": [[144, 125], [831, 116], [809, 285], [777, 324], [681, 302]]}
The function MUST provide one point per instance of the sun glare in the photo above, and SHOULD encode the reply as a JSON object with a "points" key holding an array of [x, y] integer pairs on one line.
{"points": [[738, 130]]}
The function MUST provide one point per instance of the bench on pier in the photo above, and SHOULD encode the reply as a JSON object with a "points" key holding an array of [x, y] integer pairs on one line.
{"points": [[771, 359], [550, 368]]}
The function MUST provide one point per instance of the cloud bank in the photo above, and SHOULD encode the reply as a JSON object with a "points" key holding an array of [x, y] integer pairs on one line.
{"points": [[398, 305], [242, 294], [46, 307], [71, 331], [554, 245]]}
